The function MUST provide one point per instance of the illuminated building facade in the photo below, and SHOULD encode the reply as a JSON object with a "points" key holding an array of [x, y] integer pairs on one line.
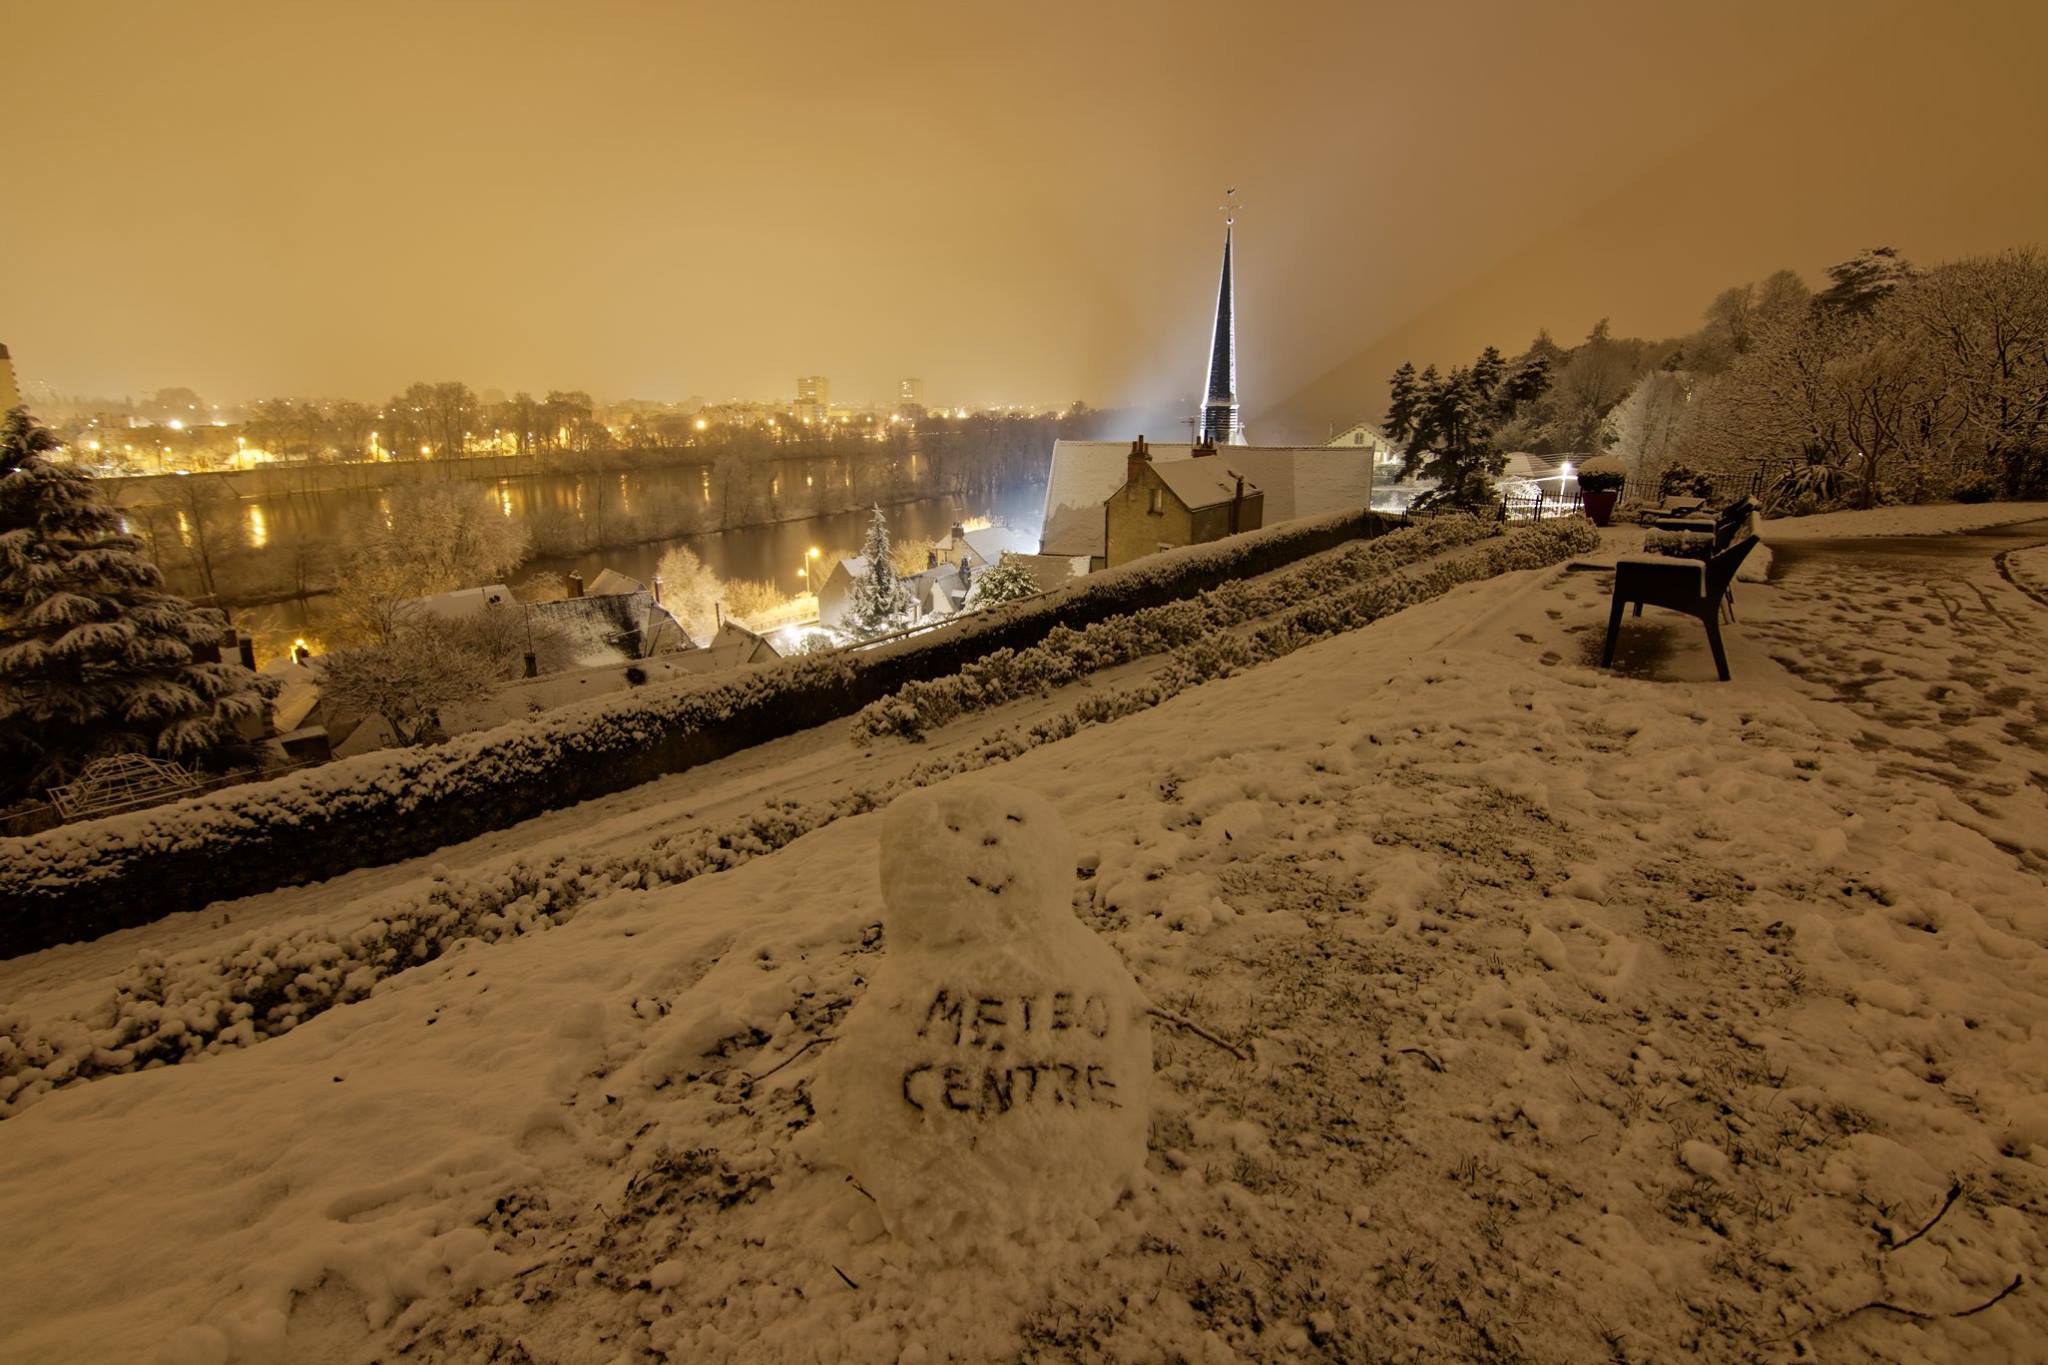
{"points": [[10, 394]]}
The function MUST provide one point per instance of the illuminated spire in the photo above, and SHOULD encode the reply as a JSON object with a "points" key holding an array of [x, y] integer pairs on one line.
{"points": [[1219, 401]]}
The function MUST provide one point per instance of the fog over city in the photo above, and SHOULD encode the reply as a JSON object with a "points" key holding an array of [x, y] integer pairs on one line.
{"points": [[656, 201]]}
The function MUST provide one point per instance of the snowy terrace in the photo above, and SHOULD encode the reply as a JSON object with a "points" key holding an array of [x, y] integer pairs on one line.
{"points": [[1576, 1015]]}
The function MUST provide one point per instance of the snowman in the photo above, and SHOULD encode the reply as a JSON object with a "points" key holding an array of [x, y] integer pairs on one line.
{"points": [[995, 1079]]}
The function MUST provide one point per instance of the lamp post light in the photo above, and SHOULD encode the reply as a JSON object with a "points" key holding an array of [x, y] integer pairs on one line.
{"points": [[809, 555]]}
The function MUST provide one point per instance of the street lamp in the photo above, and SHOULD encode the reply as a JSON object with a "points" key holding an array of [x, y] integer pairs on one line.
{"points": [[809, 555]]}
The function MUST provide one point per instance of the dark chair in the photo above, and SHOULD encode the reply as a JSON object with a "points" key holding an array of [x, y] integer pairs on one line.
{"points": [[1695, 587]]}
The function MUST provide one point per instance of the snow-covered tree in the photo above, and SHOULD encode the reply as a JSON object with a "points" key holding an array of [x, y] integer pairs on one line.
{"points": [[425, 541], [879, 600], [95, 657], [1004, 581], [690, 590], [408, 679], [1444, 424]]}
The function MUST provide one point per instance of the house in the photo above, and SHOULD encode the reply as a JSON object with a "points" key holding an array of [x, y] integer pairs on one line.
{"points": [[940, 590], [835, 594], [1166, 504], [984, 547], [936, 591], [1370, 437], [1296, 481]]}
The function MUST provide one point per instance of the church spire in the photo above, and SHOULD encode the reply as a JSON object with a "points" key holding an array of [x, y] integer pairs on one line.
{"points": [[1219, 396]]}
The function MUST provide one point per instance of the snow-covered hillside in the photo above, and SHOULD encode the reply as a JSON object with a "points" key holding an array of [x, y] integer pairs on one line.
{"points": [[1508, 1009]]}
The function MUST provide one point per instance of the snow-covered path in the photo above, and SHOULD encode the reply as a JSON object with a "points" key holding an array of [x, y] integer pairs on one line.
{"points": [[1586, 1017]]}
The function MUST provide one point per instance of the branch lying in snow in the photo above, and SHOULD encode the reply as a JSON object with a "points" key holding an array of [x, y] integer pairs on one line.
{"points": [[1181, 1022], [1955, 1192], [1434, 1064], [1916, 1314], [808, 1045]]}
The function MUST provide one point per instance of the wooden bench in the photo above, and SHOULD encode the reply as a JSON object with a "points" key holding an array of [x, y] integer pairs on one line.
{"points": [[1694, 586]]}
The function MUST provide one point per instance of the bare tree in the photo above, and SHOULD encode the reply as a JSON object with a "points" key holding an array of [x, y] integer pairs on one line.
{"points": [[427, 540], [1985, 324], [408, 679]]}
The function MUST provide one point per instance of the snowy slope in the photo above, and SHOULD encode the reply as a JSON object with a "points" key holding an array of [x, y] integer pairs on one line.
{"points": [[1582, 1016]]}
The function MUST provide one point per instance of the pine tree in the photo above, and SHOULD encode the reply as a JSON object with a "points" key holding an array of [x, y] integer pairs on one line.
{"points": [[1444, 424], [95, 658], [878, 599]]}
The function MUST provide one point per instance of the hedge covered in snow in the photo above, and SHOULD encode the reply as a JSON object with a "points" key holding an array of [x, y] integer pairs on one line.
{"points": [[162, 1014], [1067, 653], [80, 881]]}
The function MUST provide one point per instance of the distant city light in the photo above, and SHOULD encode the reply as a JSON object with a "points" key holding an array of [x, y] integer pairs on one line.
{"points": [[176, 425]]}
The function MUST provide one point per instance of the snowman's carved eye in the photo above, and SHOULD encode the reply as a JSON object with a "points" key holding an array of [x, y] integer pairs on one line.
{"points": [[1014, 819], [989, 841]]}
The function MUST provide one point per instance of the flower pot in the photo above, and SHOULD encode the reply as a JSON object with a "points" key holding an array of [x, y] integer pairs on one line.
{"points": [[1600, 506]]}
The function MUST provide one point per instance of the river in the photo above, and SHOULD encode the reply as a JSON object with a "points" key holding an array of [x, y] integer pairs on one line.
{"points": [[775, 553]]}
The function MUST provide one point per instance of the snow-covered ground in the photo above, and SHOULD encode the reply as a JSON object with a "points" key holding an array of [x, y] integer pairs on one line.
{"points": [[1936, 519], [1575, 1016]]}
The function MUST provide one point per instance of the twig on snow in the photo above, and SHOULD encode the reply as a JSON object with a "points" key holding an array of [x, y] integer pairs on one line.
{"points": [[1916, 1314], [1179, 1021], [808, 1045], [1955, 1192], [844, 1276], [1434, 1064]]}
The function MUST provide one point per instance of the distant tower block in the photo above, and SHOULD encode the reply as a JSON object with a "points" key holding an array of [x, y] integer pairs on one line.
{"points": [[910, 393], [813, 397], [1220, 425], [10, 392]]}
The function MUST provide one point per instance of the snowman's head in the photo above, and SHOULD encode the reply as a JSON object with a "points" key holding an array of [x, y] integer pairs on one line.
{"points": [[971, 862]]}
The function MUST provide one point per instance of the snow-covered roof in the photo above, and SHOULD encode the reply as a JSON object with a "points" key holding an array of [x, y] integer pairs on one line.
{"points": [[1202, 482], [463, 603], [990, 543], [298, 693], [1349, 436], [1298, 481], [612, 583]]}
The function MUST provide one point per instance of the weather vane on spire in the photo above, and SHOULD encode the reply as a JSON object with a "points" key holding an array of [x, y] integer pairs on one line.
{"points": [[1230, 205]]}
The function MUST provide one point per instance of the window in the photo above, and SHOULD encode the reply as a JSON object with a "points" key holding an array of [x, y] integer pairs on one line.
{"points": [[1157, 505]]}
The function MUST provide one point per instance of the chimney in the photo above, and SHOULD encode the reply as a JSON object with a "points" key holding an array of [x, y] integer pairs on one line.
{"points": [[657, 587], [959, 533], [931, 559], [1206, 446], [1236, 500], [532, 665], [248, 651], [1141, 454], [575, 584]]}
